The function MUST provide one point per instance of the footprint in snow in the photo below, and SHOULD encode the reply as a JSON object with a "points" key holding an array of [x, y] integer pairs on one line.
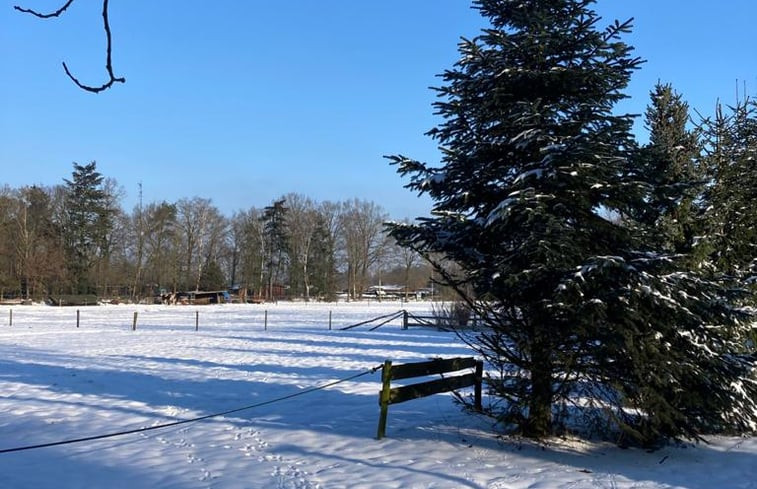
{"points": [[293, 478], [192, 458], [206, 475], [503, 482]]}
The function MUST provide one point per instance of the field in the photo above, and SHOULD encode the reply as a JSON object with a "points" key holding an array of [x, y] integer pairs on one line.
{"points": [[60, 382]]}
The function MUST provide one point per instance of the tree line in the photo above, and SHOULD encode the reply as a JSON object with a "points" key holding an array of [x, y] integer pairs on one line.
{"points": [[75, 238]]}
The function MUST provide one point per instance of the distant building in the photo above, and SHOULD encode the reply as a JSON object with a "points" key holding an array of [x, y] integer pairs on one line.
{"points": [[198, 297]]}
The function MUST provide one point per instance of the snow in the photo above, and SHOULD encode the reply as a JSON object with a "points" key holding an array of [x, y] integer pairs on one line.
{"points": [[435, 179], [58, 382], [534, 173]]}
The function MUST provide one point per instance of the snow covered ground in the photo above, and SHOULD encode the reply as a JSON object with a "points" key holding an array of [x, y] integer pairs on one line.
{"points": [[58, 382]]}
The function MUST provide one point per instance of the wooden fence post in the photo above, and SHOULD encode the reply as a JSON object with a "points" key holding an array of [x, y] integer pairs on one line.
{"points": [[386, 378], [10, 319], [265, 321], [77, 318], [197, 320], [479, 381], [134, 323], [404, 319], [329, 320]]}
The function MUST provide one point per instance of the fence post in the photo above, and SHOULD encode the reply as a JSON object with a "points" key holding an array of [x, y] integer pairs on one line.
{"points": [[329, 320], [479, 381], [265, 321], [386, 378], [10, 319], [404, 319], [77, 318], [134, 324], [197, 320]]}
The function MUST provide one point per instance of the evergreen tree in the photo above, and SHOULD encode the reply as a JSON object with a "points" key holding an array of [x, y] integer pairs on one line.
{"points": [[212, 277], [576, 304], [729, 244], [88, 224], [730, 216], [276, 237], [668, 165]]}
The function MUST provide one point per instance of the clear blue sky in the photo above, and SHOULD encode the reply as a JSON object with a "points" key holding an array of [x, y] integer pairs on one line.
{"points": [[244, 101]]}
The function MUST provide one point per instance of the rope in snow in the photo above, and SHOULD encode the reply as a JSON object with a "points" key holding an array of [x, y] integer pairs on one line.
{"points": [[192, 420]]}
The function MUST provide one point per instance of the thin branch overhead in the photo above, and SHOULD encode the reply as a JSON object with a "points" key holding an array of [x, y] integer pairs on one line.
{"points": [[45, 16], [108, 59]]}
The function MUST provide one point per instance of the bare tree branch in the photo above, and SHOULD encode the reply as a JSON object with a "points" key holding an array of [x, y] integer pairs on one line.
{"points": [[108, 59], [44, 16]]}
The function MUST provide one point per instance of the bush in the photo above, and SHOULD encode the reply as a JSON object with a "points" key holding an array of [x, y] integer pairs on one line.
{"points": [[455, 314]]}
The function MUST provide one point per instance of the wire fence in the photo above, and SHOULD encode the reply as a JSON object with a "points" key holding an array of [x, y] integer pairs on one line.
{"points": [[194, 319], [374, 323]]}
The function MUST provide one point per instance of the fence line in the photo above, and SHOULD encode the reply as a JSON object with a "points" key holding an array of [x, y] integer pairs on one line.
{"points": [[408, 319], [391, 316], [137, 319], [420, 321], [396, 316]]}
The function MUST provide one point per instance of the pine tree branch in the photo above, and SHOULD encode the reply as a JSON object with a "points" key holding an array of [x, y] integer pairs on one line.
{"points": [[108, 48]]}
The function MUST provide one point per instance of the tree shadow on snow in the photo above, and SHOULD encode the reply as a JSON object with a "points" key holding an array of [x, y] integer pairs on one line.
{"points": [[67, 468], [381, 467], [421, 344], [725, 463]]}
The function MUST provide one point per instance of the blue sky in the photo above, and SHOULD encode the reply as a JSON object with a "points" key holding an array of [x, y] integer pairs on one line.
{"points": [[244, 101]]}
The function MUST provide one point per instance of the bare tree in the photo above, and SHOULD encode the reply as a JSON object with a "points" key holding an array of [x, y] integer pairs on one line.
{"points": [[159, 239], [31, 252], [35, 249], [404, 257], [115, 229], [213, 246], [326, 256], [235, 245], [363, 241], [8, 279], [138, 226], [302, 222], [201, 226], [249, 237]]}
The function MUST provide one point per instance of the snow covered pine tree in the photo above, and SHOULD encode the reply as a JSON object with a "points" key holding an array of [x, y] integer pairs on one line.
{"points": [[730, 214], [669, 163], [580, 309]]}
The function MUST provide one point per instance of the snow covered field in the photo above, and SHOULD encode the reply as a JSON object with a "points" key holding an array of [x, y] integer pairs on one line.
{"points": [[58, 382]]}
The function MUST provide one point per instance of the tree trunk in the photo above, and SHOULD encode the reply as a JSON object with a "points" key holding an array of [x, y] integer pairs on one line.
{"points": [[539, 421], [407, 283], [305, 281]]}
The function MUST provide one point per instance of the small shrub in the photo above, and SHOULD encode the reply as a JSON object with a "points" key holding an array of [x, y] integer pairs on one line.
{"points": [[451, 314]]}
